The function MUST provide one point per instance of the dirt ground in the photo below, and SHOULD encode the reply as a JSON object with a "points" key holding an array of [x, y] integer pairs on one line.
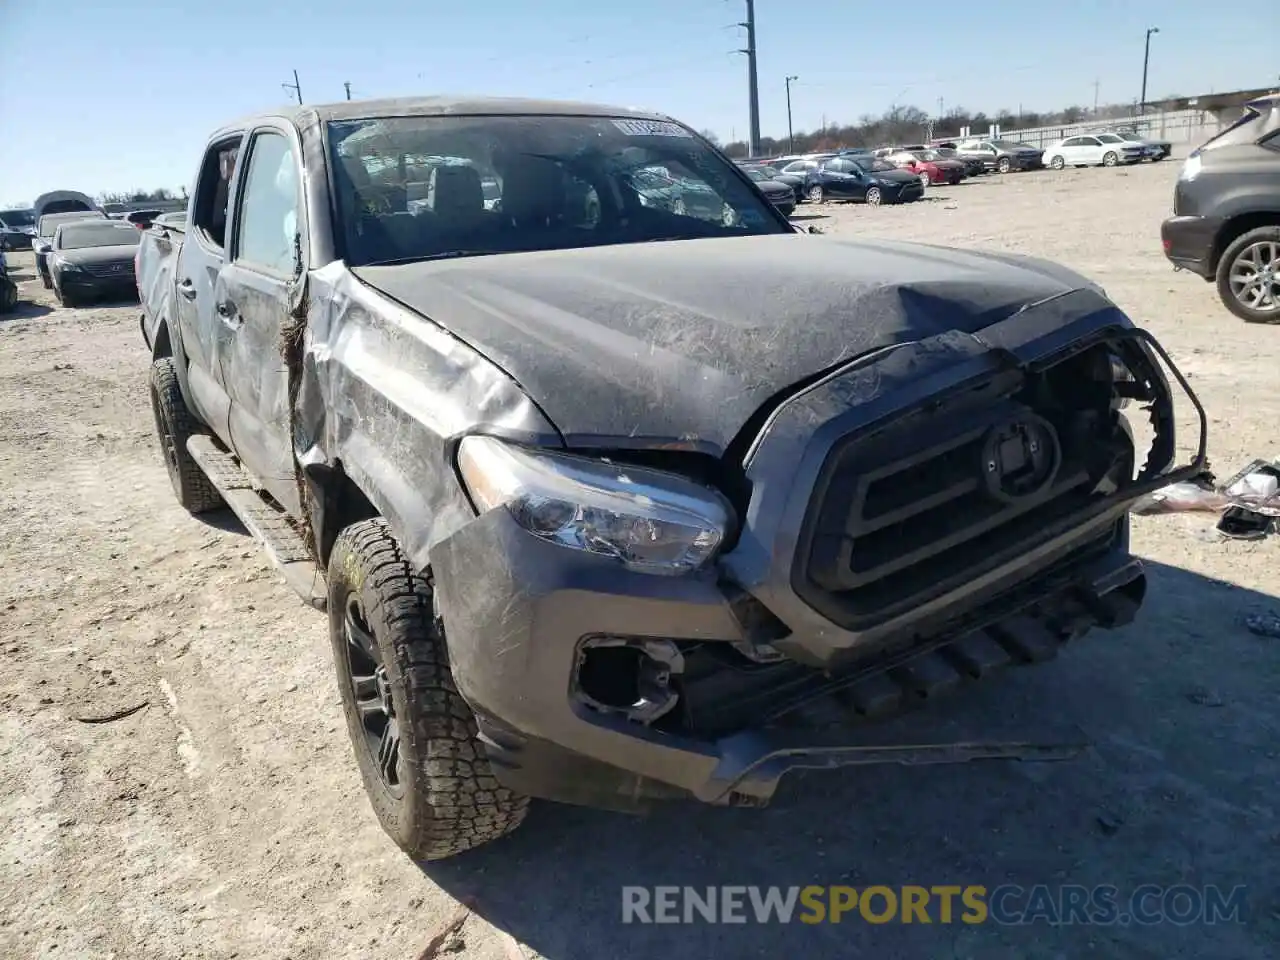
{"points": [[225, 818]]}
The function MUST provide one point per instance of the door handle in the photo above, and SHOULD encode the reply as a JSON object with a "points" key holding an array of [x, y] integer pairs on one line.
{"points": [[187, 288]]}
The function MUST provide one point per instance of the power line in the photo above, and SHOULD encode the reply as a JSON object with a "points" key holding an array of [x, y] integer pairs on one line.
{"points": [[294, 87]]}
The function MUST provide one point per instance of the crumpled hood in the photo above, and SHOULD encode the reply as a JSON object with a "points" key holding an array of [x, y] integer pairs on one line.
{"points": [[647, 344], [776, 188]]}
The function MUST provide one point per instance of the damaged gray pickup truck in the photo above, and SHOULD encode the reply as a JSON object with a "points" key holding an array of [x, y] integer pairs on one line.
{"points": [[607, 477]]}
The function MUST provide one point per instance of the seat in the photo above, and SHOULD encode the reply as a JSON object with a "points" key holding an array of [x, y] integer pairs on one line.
{"points": [[454, 193], [533, 193]]}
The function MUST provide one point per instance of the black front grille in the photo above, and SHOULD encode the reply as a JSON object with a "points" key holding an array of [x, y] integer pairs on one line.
{"points": [[902, 515], [121, 270]]}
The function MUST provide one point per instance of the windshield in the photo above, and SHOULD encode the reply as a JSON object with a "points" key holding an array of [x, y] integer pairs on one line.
{"points": [[18, 218], [757, 175], [1010, 145], [875, 165], [561, 182], [50, 223], [112, 234]]}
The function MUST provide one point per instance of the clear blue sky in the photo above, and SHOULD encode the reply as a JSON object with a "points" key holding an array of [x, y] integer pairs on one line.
{"points": [[125, 94]]}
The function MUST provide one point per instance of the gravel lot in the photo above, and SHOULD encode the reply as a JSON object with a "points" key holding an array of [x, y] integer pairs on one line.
{"points": [[226, 818]]}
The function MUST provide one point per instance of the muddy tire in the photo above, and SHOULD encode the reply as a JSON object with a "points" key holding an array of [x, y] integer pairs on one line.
{"points": [[415, 738], [174, 426]]}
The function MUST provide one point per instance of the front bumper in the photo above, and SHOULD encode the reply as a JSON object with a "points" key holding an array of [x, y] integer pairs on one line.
{"points": [[90, 287], [526, 619], [1188, 243], [785, 205]]}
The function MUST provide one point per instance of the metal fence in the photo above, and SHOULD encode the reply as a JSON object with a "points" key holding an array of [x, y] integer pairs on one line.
{"points": [[1180, 127]]}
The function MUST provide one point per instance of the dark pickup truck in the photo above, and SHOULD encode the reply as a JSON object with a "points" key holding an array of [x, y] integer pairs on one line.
{"points": [[603, 496], [1226, 213]]}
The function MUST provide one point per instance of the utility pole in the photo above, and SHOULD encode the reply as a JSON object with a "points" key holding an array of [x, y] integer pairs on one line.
{"points": [[1095, 97], [941, 105], [791, 137], [347, 85], [1146, 60], [753, 89], [294, 87]]}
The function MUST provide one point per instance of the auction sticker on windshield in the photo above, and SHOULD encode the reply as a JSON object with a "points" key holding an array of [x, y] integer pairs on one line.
{"points": [[651, 128]]}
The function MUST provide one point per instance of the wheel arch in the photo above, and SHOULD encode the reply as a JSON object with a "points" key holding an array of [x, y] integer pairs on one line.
{"points": [[1238, 226]]}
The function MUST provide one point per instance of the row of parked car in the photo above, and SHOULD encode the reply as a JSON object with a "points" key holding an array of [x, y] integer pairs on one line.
{"points": [[901, 174]]}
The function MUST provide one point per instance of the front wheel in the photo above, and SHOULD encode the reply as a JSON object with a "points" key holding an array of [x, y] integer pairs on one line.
{"points": [[1110, 159], [174, 426], [1058, 163], [1004, 166], [415, 738], [1249, 276], [816, 193]]}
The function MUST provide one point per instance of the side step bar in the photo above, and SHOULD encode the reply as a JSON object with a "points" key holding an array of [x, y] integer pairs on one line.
{"points": [[268, 525]]}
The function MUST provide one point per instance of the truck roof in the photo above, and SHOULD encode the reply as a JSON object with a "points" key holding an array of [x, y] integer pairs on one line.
{"points": [[307, 114]]}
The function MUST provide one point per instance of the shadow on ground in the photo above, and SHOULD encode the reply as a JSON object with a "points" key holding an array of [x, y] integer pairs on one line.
{"points": [[1178, 787], [26, 310]]}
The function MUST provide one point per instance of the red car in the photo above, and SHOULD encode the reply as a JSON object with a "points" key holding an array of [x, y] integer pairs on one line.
{"points": [[930, 166]]}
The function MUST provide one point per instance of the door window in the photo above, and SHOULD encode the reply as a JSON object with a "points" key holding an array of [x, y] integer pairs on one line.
{"points": [[213, 190], [269, 225]]}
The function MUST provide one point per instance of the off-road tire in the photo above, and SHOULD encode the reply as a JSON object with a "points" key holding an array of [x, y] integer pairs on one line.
{"points": [[450, 801], [174, 425], [1223, 275]]}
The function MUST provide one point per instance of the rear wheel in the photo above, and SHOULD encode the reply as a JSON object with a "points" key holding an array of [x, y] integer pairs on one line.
{"points": [[1249, 276], [174, 426], [415, 738], [1004, 165], [8, 294], [873, 196], [1110, 159], [924, 178], [1058, 163]]}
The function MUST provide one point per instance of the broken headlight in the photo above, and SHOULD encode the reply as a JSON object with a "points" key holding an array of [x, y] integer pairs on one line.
{"points": [[648, 520]]}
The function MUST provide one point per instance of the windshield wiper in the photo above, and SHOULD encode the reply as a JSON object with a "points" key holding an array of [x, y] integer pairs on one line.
{"points": [[422, 258]]}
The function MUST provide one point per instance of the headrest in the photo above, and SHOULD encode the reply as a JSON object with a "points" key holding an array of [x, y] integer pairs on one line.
{"points": [[453, 188]]}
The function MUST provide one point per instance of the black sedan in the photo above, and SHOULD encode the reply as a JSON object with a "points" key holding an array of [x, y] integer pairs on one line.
{"points": [[780, 194], [862, 178], [93, 258]]}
